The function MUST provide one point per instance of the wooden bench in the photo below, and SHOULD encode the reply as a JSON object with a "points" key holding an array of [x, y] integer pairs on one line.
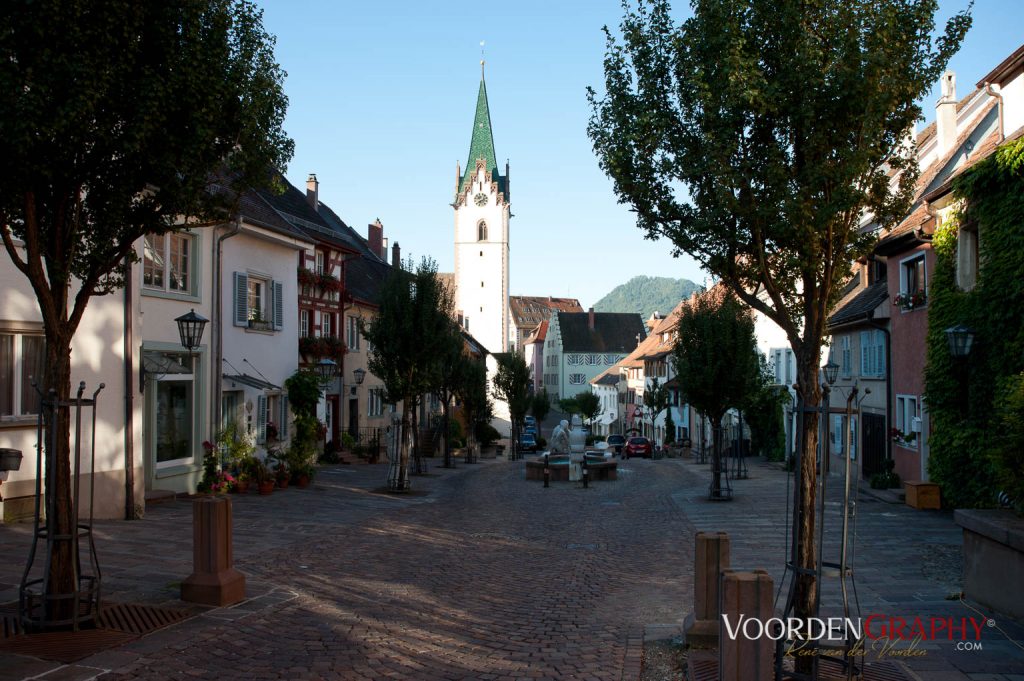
{"points": [[922, 495]]}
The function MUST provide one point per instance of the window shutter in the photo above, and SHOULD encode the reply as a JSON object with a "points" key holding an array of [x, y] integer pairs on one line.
{"points": [[879, 353], [241, 299], [278, 301], [283, 427], [865, 353], [261, 418]]}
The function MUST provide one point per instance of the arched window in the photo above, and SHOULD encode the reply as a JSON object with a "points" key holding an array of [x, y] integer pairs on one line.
{"points": [[481, 231]]}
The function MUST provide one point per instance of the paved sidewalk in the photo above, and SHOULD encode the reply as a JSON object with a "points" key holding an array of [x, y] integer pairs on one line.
{"points": [[907, 563], [486, 576], [483, 575]]}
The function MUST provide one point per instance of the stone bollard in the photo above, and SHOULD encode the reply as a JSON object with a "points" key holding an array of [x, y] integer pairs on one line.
{"points": [[711, 557], [214, 580], [749, 655]]}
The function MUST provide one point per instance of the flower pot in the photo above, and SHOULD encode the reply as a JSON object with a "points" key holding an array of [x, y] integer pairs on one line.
{"points": [[302, 481], [10, 459], [282, 483], [267, 487], [241, 487]]}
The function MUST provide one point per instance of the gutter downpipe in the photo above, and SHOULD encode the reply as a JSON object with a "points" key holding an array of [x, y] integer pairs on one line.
{"points": [[999, 108], [869, 316], [216, 324], [129, 397]]}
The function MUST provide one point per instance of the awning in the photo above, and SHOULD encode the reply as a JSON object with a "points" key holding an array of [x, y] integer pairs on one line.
{"points": [[251, 381], [159, 362]]}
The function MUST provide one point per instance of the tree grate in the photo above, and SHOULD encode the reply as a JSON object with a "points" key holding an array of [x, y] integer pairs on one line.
{"points": [[117, 624]]}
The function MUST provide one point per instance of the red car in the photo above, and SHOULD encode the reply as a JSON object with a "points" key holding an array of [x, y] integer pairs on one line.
{"points": [[638, 446]]}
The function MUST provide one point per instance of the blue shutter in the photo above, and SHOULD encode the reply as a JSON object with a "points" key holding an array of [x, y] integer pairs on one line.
{"points": [[261, 418], [879, 353], [241, 305], [283, 427], [865, 353], [278, 302]]}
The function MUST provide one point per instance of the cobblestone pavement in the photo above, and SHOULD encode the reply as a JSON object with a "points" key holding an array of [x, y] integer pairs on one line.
{"points": [[483, 575]]}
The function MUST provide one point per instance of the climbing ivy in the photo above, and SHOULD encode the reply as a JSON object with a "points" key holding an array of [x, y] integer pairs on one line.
{"points": [[972, 457]]}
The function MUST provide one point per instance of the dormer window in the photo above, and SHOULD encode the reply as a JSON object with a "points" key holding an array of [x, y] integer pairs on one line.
{"points": [[481, 231]]}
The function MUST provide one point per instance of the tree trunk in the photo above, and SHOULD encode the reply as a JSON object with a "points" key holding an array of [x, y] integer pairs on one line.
{"points": [[716, 456], [402, 483], [60, 521], [806, 598], [444, 435]]}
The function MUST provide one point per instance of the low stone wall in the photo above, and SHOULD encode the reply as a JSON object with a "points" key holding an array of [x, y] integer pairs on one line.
{"points": [[606, 470], [993, 559]]}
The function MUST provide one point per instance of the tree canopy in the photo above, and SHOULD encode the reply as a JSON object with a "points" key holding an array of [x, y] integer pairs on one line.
{"points": [[511, 383]]}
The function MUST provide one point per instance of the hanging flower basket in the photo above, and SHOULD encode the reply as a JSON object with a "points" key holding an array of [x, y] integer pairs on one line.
{"points": [[313, 347]]}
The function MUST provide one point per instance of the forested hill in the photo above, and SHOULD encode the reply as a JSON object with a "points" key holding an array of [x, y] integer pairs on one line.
{"points": [[646, 295]]}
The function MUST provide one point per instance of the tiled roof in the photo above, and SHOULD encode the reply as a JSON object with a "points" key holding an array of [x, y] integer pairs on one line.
{"points": [[919, 211], [609, 376], [613, 331], [539, 334], [929, 130], [862, 303], [529, 311]]}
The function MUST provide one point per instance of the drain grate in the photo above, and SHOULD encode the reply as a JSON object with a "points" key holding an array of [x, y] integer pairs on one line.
{"points": [[134, 618], [117, 624]]}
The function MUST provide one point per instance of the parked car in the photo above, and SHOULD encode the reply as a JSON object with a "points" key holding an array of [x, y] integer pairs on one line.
{"points": [[638, 446], [530, 428], [617, 442], [530, 421], [528, 441]]}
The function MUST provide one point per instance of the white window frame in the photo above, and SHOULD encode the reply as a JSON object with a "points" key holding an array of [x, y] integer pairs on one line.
{"points": [[193, 399], [16, 382], [326, 324], [320, 265], [907, 409], [352, 333], [162, 262], [375, 402], [908, 263], [304, 324]]}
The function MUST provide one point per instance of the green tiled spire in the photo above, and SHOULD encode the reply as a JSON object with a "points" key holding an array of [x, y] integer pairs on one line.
{"points": [[482, 144]]}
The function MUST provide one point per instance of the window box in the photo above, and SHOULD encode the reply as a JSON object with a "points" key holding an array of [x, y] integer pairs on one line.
{"points": [[329, 283], [260, 325], [909, 301], [307, 277]]}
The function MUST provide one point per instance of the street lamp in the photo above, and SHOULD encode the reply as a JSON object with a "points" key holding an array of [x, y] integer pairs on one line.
{"points": [[190, 328], [326, 369], [359, 374], [831, 372], [961, 341]]}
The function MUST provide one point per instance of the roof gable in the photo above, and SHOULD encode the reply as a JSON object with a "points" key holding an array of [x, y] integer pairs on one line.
{"points": [[612, 332]]}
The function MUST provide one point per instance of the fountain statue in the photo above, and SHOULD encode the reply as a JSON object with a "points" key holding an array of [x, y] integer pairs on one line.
{"points": [[560, 438], [577, 449]]}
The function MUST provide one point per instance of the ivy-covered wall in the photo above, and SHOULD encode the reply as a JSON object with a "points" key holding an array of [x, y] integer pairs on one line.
{"points": [[973, 452]]}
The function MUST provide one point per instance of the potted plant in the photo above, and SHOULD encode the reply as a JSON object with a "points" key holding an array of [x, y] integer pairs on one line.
{"points": [[262, 476], [224, 483], [306, 277]]}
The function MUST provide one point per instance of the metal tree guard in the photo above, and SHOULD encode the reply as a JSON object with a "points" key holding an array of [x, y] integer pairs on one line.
{"points": [[843, 569], [398, 477], [739, 460], [37, 599], [719, 489]]}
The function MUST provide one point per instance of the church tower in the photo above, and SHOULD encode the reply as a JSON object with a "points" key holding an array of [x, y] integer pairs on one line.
{"points": [[481, 235]]}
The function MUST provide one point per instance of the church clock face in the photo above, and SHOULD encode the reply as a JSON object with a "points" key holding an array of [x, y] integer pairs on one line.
{"points": [[480, 199]]}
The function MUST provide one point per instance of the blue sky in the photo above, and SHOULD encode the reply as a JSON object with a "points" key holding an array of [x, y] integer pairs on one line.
{"points": [[382, 96]]}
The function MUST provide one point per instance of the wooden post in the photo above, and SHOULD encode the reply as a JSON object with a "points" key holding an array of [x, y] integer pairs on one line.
{"points": [[214, 580], [711, 557], [741, 658]]}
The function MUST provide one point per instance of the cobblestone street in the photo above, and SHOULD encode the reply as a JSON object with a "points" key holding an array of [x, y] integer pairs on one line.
{"points": [[480, 575]]}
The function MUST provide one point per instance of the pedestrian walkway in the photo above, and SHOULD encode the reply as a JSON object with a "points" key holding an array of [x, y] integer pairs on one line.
{"points": [[481, 575]]}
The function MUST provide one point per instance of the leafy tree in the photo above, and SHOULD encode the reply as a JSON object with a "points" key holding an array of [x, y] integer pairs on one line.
{"points": [[477, 407], [763, 411], [656, 400], [122, 119], [305, 389], [451, 363], [512, 384], [716, 360], [540, 406], [588, 405], [755, 136], [408, 335]]}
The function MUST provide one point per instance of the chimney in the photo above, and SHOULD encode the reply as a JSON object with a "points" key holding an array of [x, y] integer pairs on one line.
{"points": [[313, 191], [383, 249], [590, 319], [396, 256], [945, 114], [375, 237]]}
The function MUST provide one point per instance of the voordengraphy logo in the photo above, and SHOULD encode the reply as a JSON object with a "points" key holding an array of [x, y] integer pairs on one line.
{"points": [[875, 627]]}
